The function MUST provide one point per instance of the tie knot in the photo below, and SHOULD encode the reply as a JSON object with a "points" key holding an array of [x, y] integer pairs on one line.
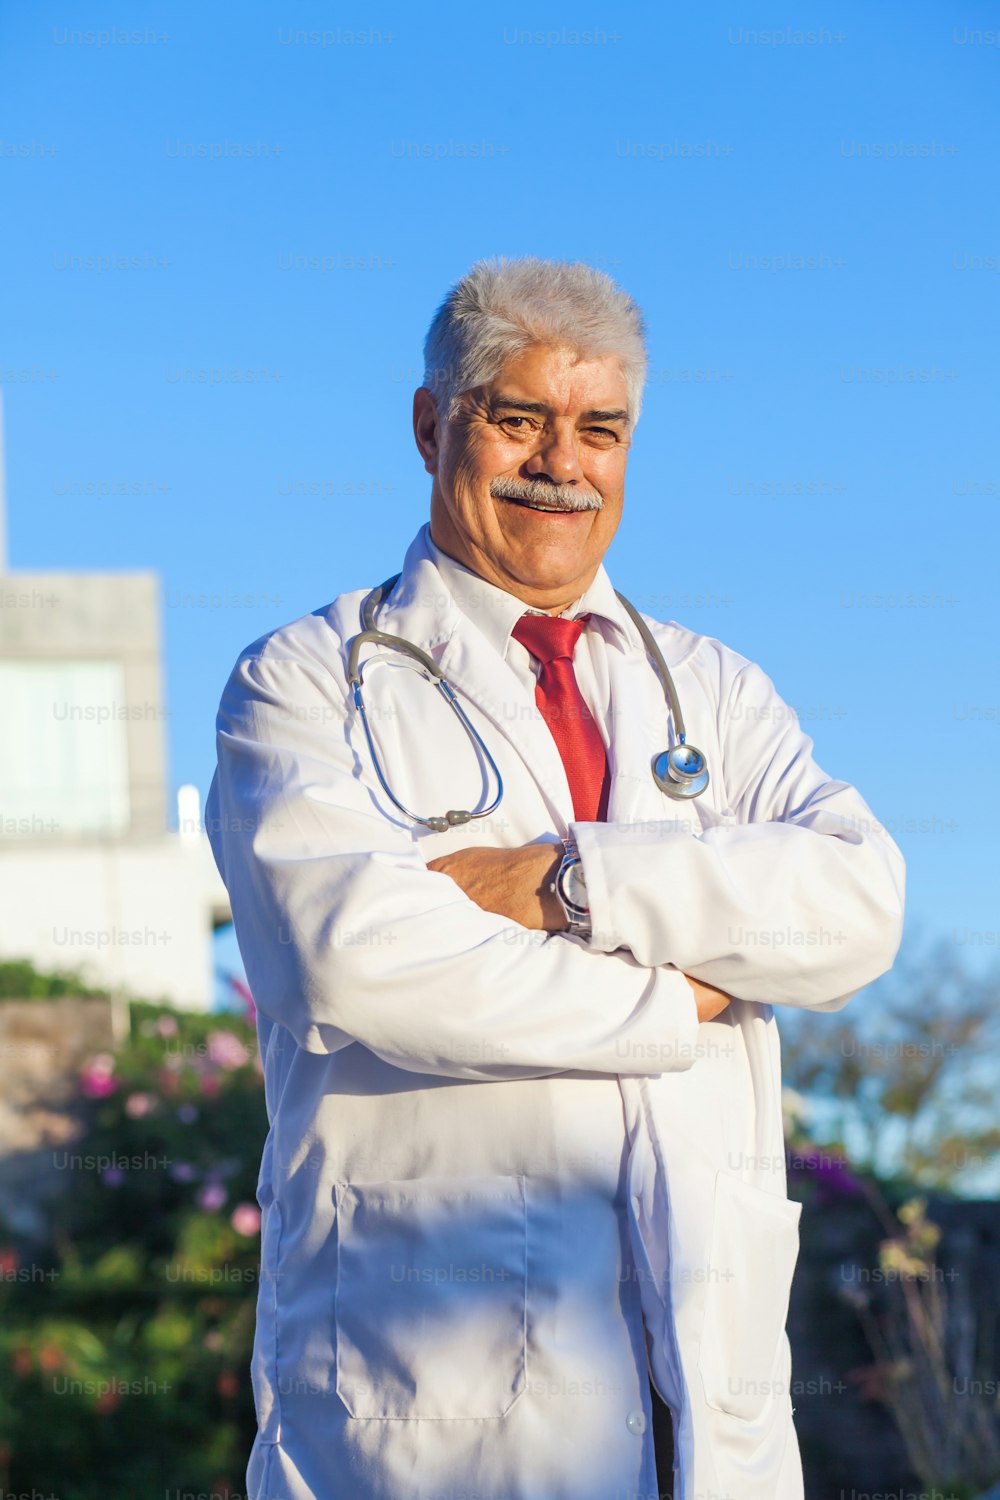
{"points": [[548, 637]]}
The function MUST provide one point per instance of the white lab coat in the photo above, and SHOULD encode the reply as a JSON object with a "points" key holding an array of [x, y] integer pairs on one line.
{"points": [[504, 1167]]}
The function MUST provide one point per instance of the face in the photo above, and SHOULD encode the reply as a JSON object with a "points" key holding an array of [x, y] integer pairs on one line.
{"points": [[529, 474]]}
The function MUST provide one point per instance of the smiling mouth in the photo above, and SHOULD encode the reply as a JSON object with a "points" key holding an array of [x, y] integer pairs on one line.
{"points": [[546, 510], [549, 510]]}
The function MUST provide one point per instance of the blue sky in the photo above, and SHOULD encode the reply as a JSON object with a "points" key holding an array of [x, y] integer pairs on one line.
{"points": [[804, 205]]}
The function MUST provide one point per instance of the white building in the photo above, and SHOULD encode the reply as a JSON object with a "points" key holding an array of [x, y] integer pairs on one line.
{"points": [[91, 878]]}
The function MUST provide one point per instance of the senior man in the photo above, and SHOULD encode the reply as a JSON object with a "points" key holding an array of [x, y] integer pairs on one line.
{"points": [[515, 976]]}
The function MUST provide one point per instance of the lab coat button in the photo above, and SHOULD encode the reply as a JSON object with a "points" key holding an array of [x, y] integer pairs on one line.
{"points": [[636, 1422]]}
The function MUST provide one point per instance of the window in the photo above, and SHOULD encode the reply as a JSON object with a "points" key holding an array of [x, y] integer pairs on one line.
{"points": [[63, 748]]}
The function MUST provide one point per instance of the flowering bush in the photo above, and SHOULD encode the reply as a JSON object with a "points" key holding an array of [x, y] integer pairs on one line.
{"points": [[125, 1346]]}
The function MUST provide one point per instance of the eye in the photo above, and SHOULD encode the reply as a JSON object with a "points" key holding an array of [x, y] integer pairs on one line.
{"points": [[509, 421], [603, 432]]}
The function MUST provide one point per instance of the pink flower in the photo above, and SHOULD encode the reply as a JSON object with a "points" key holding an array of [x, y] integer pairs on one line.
{"points": [[245, 1219], [226, 1050], [166, 1026], [211, 1197], [97, 1078], [138, 1105]]}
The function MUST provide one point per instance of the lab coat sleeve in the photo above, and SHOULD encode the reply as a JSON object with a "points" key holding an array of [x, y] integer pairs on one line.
{"points": [[794, 897], [347, 936]]}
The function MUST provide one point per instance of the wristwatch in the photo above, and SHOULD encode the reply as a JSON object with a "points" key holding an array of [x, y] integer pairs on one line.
{"points": [[570, 885]]}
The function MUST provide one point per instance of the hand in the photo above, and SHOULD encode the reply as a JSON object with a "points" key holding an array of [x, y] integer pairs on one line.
{"points": [[514, 883], [709, 1000]]}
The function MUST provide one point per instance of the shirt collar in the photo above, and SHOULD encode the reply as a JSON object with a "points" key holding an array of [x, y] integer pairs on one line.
{"points": [[495, 611]]}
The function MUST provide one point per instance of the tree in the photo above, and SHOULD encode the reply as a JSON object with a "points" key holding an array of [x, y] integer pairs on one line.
{"points": [[905, 1078]]}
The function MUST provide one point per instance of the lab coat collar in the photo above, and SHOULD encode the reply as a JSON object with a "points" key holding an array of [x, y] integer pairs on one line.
{"points": [[422, 608]]}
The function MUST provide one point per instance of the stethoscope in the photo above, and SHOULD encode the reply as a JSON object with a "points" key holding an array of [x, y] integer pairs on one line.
{"points": [[679, 772]]}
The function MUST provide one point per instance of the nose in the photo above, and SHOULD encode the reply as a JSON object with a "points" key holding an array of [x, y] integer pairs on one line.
{"points": [[556, 457]]}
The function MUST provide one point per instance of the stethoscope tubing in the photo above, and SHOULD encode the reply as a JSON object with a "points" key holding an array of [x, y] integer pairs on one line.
{"points": [[671, 775]]}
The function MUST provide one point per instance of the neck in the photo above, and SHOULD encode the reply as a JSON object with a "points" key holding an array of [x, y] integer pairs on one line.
{"points": [[552, 601]]}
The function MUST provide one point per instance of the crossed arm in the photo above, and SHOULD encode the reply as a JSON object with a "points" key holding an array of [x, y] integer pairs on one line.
{"points": [[515, 883], [791, 895]]}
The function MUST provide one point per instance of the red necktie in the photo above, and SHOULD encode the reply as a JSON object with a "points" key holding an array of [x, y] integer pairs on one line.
{"points": [[552, 641]]}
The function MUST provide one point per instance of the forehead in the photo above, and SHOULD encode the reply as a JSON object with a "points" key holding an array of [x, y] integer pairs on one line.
{"points": [[562, 379]]}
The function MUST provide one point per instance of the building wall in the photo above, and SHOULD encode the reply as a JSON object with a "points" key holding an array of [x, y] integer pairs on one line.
{"points": [[91, 880], [133, 916]]}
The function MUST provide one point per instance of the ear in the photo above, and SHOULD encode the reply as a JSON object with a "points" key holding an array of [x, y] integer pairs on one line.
{"points": [[426, 428]]}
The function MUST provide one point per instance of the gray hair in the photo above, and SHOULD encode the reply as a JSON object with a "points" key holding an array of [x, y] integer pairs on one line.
{"points": [[500, 307]]}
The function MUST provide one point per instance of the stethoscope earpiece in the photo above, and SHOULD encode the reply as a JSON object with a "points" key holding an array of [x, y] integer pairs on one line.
{"points": [[680, 771]]}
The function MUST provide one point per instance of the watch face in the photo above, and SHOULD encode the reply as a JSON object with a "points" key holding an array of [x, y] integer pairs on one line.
{"points": [[574, 887]]}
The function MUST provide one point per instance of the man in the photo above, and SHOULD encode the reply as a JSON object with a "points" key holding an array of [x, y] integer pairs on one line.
{"points": [[522, 1069]]}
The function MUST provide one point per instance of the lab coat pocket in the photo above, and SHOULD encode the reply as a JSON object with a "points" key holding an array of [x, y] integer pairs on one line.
{"points": [[263, 1366], [754, 1248], [431, 1297]]}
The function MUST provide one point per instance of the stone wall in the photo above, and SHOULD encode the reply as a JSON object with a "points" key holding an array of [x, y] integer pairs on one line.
{"points": [[42, 1045]]}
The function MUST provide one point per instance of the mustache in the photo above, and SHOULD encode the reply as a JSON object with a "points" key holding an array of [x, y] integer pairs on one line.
{"points": [[545, 492]]}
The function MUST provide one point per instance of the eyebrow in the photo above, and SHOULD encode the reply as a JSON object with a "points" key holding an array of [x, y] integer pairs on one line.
{"points": [[539, 408]]}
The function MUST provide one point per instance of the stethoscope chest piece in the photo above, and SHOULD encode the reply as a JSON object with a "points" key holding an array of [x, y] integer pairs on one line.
{"points": [[681, 771]]}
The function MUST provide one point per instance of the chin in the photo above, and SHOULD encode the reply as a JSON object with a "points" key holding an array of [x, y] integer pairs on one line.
{"points": [[547, 569]]}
